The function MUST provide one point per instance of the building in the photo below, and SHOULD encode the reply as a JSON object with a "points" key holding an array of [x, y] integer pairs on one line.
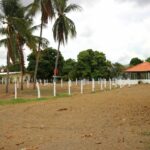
{"points": [[140, 71], [15, 76]]}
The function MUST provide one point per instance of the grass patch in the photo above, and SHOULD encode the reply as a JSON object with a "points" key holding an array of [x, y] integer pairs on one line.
{"points": [[59, 95], [146, 133], [20, 100]]}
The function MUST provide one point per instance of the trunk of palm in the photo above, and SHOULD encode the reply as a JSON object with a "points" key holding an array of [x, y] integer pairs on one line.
{"points": [[38, 54], [56, 62], [7, 79], [21, 68], [8, 58], [21, 58]]}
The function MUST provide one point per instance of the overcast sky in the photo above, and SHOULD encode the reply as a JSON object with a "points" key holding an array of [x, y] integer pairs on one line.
{"points": [[119, 28]]}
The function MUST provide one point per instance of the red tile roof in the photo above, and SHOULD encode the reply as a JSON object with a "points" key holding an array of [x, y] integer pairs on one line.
{"points": [[143, 67]]}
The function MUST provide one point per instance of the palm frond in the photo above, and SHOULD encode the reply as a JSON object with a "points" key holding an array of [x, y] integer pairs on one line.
{"points": [[72, 7], [3, 42], [36, 27], [3, 31]]}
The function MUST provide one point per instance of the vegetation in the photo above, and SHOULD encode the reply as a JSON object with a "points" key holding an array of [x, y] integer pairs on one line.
{"points": [[15, 25], [93, 64], [46, 9], [63, 26], [18, 30], [46, 63], [148, 59], [90, 64], [135, 61]]}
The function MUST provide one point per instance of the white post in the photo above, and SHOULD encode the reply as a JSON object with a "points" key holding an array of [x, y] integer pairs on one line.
{"points": [[120, 83], [54, 88], [93, 85], [28, 84], [76, 81], [38, 90], [69, 87], [101, 84], [17, 84], [2, 81], [44, 82], [105, 83], [61, 83], [129, 82], [116, 83], [81, 87], [15, 90], [109, 84], [98, 82]]}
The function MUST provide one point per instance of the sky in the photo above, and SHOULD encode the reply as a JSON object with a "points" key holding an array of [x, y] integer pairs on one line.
{"points": [[118, 28]]}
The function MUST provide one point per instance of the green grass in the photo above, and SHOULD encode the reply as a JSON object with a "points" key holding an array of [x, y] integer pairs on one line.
{"points": [[146, 133], [22, 100], [62, 95]]}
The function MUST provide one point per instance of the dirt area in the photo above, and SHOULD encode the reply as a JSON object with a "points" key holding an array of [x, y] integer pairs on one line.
{"points": [[110, 120]]}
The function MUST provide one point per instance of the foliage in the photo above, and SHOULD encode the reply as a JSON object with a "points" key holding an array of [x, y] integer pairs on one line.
{"points": [[46, 9], [46, 63], [63, 26], [69, 69], [117, 70], [93, 64], [148, 59], [135, 61], [14, 67]]}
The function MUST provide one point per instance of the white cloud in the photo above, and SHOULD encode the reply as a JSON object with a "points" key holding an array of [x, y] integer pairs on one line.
{"points": [[120, 29]]}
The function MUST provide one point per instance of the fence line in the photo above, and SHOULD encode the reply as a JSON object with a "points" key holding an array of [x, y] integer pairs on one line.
{"points": [[48, 89]]}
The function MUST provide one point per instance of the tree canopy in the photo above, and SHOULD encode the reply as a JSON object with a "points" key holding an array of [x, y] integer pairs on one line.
{"points": [[93, 64], [46, 63], [135, 61], [148, 59]]}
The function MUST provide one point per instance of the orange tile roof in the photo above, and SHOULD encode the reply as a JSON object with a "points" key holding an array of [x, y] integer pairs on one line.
{"points": [[143, 67]]}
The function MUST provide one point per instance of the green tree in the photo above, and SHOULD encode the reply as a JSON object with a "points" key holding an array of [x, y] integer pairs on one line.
{"points": [[10, 16], [117, 69], [135, 61], [148, 59], [63, 26], [93, 64], [69, 69], [46, 63], [46, 9]]}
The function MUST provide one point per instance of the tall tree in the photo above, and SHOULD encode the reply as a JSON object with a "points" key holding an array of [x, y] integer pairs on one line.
{"points": [[135, 61], [63, 26], [46, 63], [46, 9], [10, 11], [93, 64], [148, 59], [69, 69]]}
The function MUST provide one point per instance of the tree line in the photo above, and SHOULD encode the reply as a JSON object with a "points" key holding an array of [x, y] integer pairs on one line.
{"points": [[89, 64]]}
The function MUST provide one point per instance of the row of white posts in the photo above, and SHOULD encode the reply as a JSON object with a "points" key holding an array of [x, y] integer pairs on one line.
{"points": [[101, 82]]}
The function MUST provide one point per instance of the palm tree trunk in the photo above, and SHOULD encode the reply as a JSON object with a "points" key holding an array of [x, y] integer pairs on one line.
{"points": [[21, 57], [56, 62], [7, 79], [38, 54]]}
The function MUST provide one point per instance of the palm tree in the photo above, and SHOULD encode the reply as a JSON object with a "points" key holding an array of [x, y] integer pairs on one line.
{"points": [[63, 26], [9, 11], [46, 9]]}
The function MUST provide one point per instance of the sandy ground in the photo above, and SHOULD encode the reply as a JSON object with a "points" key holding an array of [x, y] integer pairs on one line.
{"points": [[110, 120]]}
